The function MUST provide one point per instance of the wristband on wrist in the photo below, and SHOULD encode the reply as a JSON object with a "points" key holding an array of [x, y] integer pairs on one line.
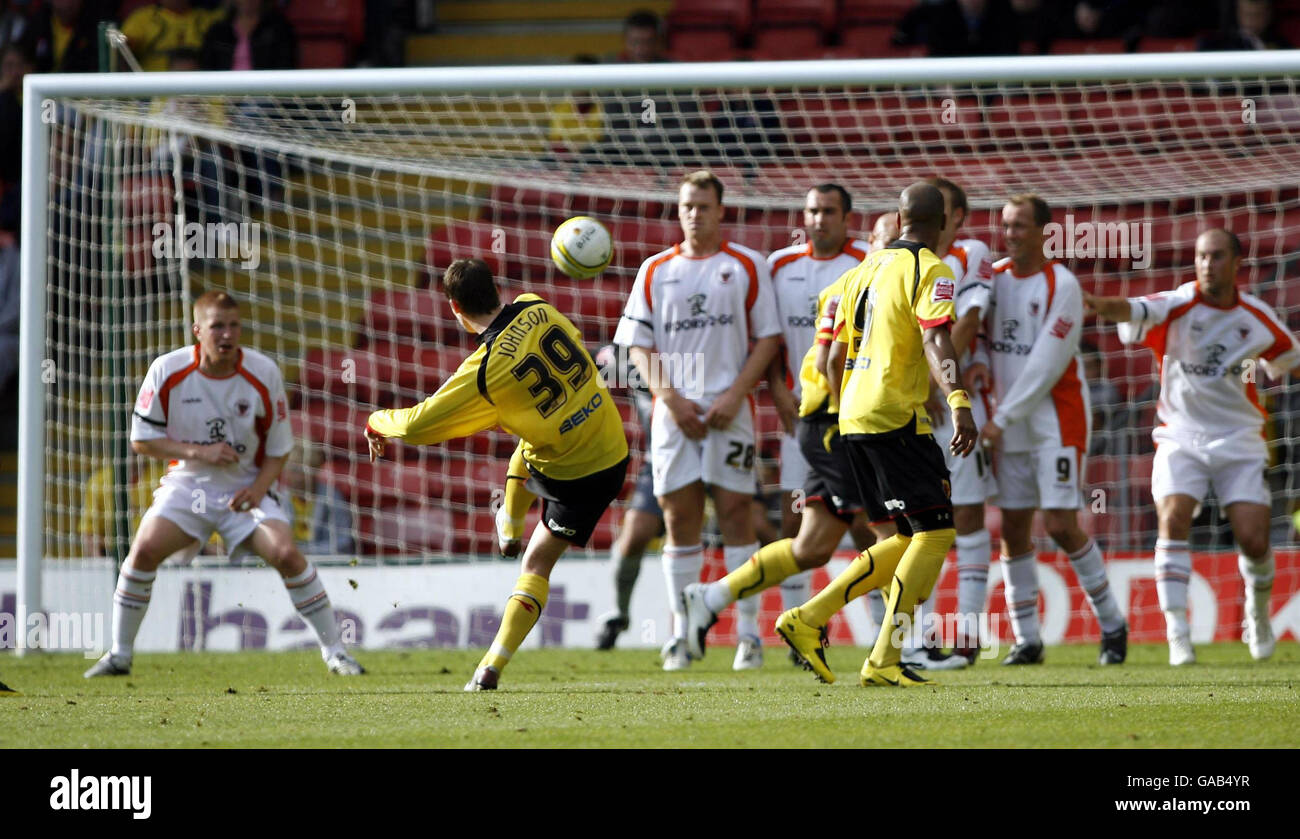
{"points": [[958, 399]]}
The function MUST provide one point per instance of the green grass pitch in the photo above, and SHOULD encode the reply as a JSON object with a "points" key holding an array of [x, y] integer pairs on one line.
{"points": [[580, 698]]}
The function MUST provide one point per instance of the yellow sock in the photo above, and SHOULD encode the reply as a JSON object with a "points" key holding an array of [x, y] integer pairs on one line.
{"points": [[872, 569], [914, 578], [518, 499], [766, 568], [522, 611]]}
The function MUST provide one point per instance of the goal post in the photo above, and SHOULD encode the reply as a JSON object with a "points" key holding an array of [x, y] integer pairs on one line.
{"points": [[362, 183]]}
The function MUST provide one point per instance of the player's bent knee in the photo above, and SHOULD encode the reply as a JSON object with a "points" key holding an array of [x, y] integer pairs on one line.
{"points": [[813, 550], [968, 518], [285, 557], [1253, 545]]}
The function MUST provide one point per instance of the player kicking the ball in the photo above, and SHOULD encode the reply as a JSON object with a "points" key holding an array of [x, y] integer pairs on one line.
{"points": [[1207, 336], [531, 376], [218, 412]]}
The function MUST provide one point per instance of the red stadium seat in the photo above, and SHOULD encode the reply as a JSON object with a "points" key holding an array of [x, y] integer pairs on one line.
{"points": [[382, 373], [1148, 44], [466, 239], [1088, 46], [340, 18], [868, 41], [326, 53], [875, 11], [788, 43], [703, 45], [734, 15], [402, 314], [336, 425], [785, 14]]}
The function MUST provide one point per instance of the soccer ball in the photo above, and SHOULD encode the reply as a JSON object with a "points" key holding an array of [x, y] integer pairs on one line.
{"points": [[582, 247]]}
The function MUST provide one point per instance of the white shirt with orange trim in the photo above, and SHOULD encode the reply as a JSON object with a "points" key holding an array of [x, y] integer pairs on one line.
{"points": [[972, 265], [798, 277], [1032, 326], [698, 314], [1208, 357], [247, 409]]}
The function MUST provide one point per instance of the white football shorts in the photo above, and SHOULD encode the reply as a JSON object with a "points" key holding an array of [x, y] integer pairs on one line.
{"points": [[1187, 463], [972, 477], [1045, 479], [199, 511], [794, 468], [724, 458]]}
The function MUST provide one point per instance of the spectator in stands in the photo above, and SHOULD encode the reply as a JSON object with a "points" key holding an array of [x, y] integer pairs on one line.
{"points": [[17, 61], [577, 121], [15, 22], [643, 38], [1034, 26], [153, 32], [322, 520], [253, 35], [960, 27], [656, 125], [1254, 29], [65, 37], [1104, 19]]}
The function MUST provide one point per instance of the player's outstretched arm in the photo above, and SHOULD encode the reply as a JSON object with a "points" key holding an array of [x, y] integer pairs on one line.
{"points": [[1115, 309], [942, 358]]}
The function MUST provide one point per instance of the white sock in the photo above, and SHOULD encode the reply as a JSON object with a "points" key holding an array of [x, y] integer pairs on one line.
{"points": [[973, 553], [1258, 576], [1020, 589], [1090, 568], [130, 602], [682, 564], [308, 595], [1176, 624], [796, 590], [1173, 573], [735, 556], [717, 596]]}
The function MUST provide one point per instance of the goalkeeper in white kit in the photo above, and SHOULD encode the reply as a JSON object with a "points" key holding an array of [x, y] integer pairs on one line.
{"points": [[218, 413]]}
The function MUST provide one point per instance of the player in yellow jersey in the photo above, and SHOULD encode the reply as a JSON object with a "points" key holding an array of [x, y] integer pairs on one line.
{"points": [[893, 319], [832, 498], [532, 376]]}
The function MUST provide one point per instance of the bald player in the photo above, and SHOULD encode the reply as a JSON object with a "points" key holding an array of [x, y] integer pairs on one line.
{"points": [[892, 323], [1209, 337]]}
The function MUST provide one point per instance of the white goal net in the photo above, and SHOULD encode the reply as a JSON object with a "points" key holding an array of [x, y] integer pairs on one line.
{"points": [[327, 203]]}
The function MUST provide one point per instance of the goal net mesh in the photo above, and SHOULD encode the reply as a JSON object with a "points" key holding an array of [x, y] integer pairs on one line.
{"points": [[330, 219]]}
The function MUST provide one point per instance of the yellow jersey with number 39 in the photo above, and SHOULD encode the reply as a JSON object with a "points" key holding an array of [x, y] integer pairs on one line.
{"points": [[888, 302], [532, 376]]}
